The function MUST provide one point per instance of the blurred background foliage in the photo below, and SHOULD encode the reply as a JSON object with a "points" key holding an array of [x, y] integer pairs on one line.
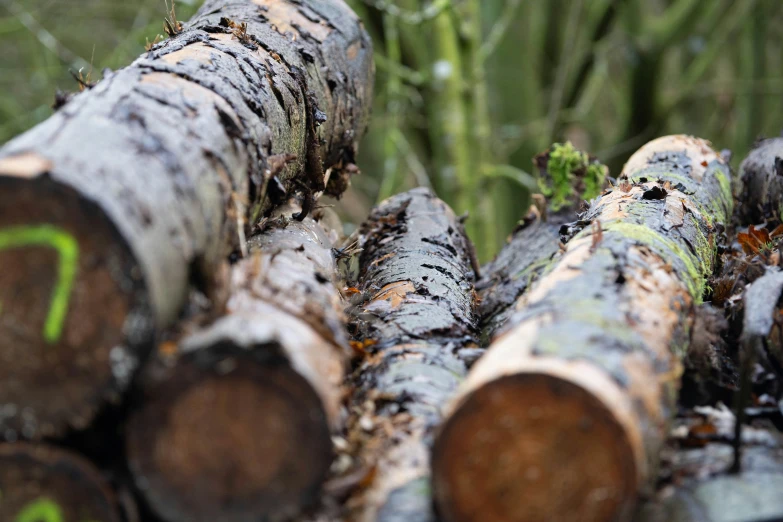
{"points": [[468, 91]]}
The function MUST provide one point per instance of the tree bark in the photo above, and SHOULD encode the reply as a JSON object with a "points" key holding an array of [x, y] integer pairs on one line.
{"points": [[517, 267], [235, 424], [40, 483], [145, 181], [761, 184], [564, 417], [417, 330]]}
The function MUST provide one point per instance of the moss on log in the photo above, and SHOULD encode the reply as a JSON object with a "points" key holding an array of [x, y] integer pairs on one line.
{"points": [[144, 182], [417, 328], [564, 416], [235, 424], [40, 483]]}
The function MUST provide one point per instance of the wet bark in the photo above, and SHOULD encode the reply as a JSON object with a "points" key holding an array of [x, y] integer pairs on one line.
{"points": [[416, 330], [144, 182], [517, 267], [235, 423], [43, 483], [761, 184], [585, 375]]}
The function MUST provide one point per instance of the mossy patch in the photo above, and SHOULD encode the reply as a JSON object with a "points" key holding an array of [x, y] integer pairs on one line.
{"points": [[568, 174], [695, 269]]}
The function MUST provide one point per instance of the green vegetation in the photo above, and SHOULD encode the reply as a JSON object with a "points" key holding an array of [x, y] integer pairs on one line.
{"points": [[569, 170], [469, 91]]}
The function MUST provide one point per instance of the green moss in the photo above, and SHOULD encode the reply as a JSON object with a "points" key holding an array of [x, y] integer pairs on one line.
{"points": [[566, 166], [696, 270], [725, 184]]}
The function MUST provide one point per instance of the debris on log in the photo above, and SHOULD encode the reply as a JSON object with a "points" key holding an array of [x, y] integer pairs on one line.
{"points": [[414, 333], [585, 376], [574, 177], [234, 423], [141, 184], [761, 184], [41, 483]]}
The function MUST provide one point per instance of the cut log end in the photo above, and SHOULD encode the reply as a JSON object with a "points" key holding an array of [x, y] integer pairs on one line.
{"points": [[68, 288], [235, 440], [44, 483], [564, 455]]}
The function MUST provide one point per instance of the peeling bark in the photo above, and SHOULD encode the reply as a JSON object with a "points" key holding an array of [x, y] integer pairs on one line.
{"points": [[417, 330], [761, 183], [43, 483], [585, 375], [145, 181], [235, 424]]}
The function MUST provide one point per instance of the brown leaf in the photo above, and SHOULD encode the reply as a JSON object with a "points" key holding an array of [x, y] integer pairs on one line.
{"points": [[777, 232]]}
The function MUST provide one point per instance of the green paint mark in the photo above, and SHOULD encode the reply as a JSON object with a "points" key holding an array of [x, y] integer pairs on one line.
{"points": [[41, 510], [68, 250]]}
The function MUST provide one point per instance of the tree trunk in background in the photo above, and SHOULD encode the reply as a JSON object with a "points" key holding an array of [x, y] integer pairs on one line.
{"points": [[144, 182], [564, 417], [417, 331], [235, 424], [43, 483]]}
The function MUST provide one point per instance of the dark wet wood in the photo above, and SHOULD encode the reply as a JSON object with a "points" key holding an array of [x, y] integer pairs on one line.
{"points": [[415, 333], [585, 375], [761, 184], [155, 175]]}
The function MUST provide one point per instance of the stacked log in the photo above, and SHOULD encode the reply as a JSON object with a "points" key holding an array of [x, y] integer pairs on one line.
{"points": [[235, 423], [415, 332], [145, 182], [47, 484], [564, 417]]}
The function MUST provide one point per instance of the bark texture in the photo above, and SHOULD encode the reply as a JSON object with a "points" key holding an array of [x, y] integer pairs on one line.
{"points": [[144, 182], [585, 375], [761, 183], [516, 267], [40, 483], [235, 424], [417, 330]]}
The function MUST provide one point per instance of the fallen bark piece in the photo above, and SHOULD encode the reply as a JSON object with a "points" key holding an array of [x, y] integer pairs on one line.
{"points": [[235, 424], [704, 492], [40, 483], [564, 416], [416, 268], [761, 184], [574, 177], [142, 183]]}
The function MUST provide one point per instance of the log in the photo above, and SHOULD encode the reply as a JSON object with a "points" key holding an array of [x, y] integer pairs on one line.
{"points": [[144, 182], [761, 184], [537, 238], [41, 483], [417, 329], [235, 423], [564, 416]]}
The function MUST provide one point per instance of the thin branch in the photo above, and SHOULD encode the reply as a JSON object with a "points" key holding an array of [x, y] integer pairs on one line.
{"points": [[499, 29]]}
